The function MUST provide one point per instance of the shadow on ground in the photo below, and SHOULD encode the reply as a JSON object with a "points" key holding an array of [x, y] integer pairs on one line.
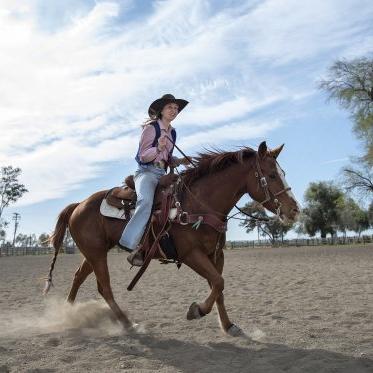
{"points": [[225, 357]]}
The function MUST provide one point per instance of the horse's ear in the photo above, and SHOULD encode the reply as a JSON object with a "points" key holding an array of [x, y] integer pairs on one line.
{"points": [[262, 150], [275, 152]]}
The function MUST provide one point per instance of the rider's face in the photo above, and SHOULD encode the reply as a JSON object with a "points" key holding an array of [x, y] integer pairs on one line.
{"points": [[170, 111]]}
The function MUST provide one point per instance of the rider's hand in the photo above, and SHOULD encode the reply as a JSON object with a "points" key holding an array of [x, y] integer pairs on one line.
{"points": [[161, 143]]}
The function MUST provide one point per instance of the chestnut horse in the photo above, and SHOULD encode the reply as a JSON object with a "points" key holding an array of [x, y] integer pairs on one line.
{"points": [[213, 186]]}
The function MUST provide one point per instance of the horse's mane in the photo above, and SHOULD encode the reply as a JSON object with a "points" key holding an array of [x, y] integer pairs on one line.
{"points": [[212, 161]]}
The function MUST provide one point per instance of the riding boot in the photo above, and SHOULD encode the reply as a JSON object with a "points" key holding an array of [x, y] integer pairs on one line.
{"points": [[124, 248], [136, 258]]}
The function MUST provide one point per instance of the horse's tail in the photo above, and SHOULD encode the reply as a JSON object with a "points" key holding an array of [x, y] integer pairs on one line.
{"points": [[57, 239]]}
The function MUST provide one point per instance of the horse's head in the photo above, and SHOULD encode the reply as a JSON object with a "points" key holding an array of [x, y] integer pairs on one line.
{"points": [[270, 187]]}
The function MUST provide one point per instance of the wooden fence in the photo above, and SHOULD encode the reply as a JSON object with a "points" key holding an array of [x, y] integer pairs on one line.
{"points": [[33, 250], [38, 250], [303, 242]]}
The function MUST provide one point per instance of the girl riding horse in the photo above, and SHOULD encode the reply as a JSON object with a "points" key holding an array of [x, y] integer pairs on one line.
{"points": [[154, 155]]}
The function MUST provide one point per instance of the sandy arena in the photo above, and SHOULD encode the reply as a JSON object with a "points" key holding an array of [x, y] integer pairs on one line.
{"points": [[302, 309]]}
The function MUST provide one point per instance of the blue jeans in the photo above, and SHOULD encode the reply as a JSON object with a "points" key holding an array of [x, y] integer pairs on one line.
{"points": [[146, 180]]}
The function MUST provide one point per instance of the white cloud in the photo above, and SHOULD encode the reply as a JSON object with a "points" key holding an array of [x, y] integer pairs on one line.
{"points": [[74, 97], [241, 131], [64, 165], [284, 31], [203, 115]]}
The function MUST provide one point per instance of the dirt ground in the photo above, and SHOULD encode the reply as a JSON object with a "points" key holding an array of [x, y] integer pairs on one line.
{"points": [[305, 309]]}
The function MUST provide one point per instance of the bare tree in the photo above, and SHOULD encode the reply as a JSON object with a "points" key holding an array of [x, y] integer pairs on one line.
{"points": [[359, 180]]}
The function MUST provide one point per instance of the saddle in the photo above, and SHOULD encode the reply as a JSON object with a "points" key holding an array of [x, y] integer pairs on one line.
{"points": [[123, 198]]}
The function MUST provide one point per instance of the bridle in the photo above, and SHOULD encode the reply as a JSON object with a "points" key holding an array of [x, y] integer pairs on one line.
{"points": [[262, 182]]}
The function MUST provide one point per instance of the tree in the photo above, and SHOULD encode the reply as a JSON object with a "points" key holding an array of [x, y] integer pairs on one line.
{"points": [[362, 222], [22, 239], [32, 240], [28, 240], [2, 235], [273, 229], [370, 214], [3, 224], [352, 217], [43, 240], [351, 84], [320, 213], [10, 189], [359, 180]]}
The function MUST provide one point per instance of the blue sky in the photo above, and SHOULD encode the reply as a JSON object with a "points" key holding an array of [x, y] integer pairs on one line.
{"points": [[77, 78]]}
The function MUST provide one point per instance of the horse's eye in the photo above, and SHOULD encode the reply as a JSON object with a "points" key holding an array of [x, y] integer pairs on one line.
{"points": [[272, 176]]}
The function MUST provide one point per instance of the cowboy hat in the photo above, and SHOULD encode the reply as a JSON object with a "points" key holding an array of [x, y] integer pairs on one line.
{"points": [[156, 106]]}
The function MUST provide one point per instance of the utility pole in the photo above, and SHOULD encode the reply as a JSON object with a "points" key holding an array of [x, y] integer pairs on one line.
{"points": [[16, 218]]}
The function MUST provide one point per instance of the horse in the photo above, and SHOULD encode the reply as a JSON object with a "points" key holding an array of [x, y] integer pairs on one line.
{"points": [[214, 185]]}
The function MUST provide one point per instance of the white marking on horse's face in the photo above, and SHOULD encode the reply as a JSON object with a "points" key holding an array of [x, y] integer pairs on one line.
{"points": [[286, 185]]}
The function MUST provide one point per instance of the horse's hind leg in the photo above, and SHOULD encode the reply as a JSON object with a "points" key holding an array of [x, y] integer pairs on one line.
{"points": [[199, 262], [103, 284], [81, 274]]}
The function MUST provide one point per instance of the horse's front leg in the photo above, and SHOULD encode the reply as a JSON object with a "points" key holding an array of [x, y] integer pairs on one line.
{"points": [[225, 323], [200, 263]]}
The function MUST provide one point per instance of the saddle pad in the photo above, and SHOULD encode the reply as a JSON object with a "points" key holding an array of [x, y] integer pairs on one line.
{"points": [[114, 212]]}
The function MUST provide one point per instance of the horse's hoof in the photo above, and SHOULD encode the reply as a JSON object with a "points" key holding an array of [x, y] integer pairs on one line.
{"points": [[235, 331], [194, 312]]}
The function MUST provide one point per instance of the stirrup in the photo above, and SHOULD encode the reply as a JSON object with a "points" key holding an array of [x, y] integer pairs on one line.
{"points": [[136, 258]]}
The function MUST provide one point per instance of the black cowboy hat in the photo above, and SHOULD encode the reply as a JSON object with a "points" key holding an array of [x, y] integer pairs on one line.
{"points": [[156, 107]]}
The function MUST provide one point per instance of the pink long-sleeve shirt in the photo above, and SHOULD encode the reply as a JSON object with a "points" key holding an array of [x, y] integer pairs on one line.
{"points": [[149, 153]]}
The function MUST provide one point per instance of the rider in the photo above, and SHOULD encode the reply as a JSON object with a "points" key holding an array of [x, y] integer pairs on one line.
{"points": [[154, 155]]}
